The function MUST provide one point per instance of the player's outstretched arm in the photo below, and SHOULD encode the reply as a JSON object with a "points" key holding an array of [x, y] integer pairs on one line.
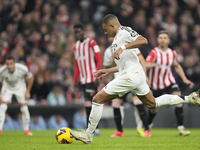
{"points": [[181, 73], [104, 72], [150, 65], [139, 42]]}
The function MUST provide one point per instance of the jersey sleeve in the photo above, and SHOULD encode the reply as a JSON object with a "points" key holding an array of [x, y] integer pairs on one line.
{"points": [[97, 54], [76, 72], [28, 74], [94, 46], [175, 59], [138, 52], [151, 57], [25, 72], [108, 59], [132, 35]]}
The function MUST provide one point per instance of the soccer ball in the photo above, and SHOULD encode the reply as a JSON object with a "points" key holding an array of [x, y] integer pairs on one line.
{"points": [[63, 136]]}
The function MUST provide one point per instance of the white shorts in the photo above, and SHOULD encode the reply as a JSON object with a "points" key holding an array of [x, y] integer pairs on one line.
{"points": [[135, 83], [7, 94]]}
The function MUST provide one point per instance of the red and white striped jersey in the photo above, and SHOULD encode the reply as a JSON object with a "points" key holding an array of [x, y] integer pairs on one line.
{"points": [[161, 76], [87, 60]]}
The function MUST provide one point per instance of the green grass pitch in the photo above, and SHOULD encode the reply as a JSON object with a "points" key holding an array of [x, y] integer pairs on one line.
{"points": [[162, 139]]}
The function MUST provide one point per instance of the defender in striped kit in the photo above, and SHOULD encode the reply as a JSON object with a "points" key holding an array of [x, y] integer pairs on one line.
{"points": [[161, 77], [87, 60]]}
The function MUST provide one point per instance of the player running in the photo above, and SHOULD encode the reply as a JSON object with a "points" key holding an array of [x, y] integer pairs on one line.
{"points": [[117, 104], [131, 77]]}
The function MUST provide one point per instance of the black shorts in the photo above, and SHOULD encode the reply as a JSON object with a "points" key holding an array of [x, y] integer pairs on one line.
{"points": [[89, 90], [168, 90]]}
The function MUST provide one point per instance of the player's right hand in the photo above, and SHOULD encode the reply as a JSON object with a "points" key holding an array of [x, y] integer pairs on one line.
{"points": [[100, 73], [150, 65]]}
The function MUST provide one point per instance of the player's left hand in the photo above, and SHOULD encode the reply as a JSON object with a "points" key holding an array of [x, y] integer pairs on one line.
{"points": [[100, 73], [117, 53], [191, 84], [27, 95]]}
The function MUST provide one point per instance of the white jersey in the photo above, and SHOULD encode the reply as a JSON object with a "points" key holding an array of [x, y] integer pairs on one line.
{"points": [[15, 80], [128, 62], [108, 57]]}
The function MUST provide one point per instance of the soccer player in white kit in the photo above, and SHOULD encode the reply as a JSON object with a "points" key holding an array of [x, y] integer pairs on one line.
{"points": [[117, 104], [131, 77], [12, 78]]}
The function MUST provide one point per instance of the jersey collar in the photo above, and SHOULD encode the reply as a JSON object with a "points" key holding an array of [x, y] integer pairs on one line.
{"points": [[119, 29]]}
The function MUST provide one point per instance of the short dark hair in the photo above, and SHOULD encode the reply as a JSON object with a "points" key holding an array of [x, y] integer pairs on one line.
{"points": [[163, 32], [10, 58], [79, 25], [107, 18]]}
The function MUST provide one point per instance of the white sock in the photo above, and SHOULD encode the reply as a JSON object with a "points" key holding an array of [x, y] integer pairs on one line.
{"points": [[180, 127], [137, 118], [122, 114], [169, 100], [25, 117], [3, 108], [95, 116]]}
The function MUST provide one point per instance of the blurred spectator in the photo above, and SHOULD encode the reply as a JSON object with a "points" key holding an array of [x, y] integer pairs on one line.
{"points": [[40, 33], [39, 90], [63, 14], [53, 58], [56, 97], [37, 122], [3, 53], [79, 119], [8, 124], [56, 122], [32, 63], [18, 124]]}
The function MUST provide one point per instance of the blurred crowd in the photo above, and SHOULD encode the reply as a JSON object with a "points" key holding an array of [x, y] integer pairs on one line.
{"points": [[38, 122], [39, 34]]}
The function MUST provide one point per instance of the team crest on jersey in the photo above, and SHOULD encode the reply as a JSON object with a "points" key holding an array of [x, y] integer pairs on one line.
{"points": [[114, 46]]}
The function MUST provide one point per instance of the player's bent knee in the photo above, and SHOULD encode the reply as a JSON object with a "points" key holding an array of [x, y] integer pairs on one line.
{"points": [[151, 105], [96, 99], [24, 109], [116, 104], [3, 107]]}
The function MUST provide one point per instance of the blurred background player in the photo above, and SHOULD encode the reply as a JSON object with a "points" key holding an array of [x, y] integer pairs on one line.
{"points": [[87, 60], [79, 119], [37, 122], [12, 77], [117, 104], [57, 121], [161, 60]]}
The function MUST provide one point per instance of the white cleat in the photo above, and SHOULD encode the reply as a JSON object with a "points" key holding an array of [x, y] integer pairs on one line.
{"points": [[194, 98], [81, 136], [183, 132]]}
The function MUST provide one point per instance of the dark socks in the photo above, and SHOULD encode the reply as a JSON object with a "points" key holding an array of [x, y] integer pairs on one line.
{"points": [[118, 119], [179, 115], [151, 117], [143, 116]]}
